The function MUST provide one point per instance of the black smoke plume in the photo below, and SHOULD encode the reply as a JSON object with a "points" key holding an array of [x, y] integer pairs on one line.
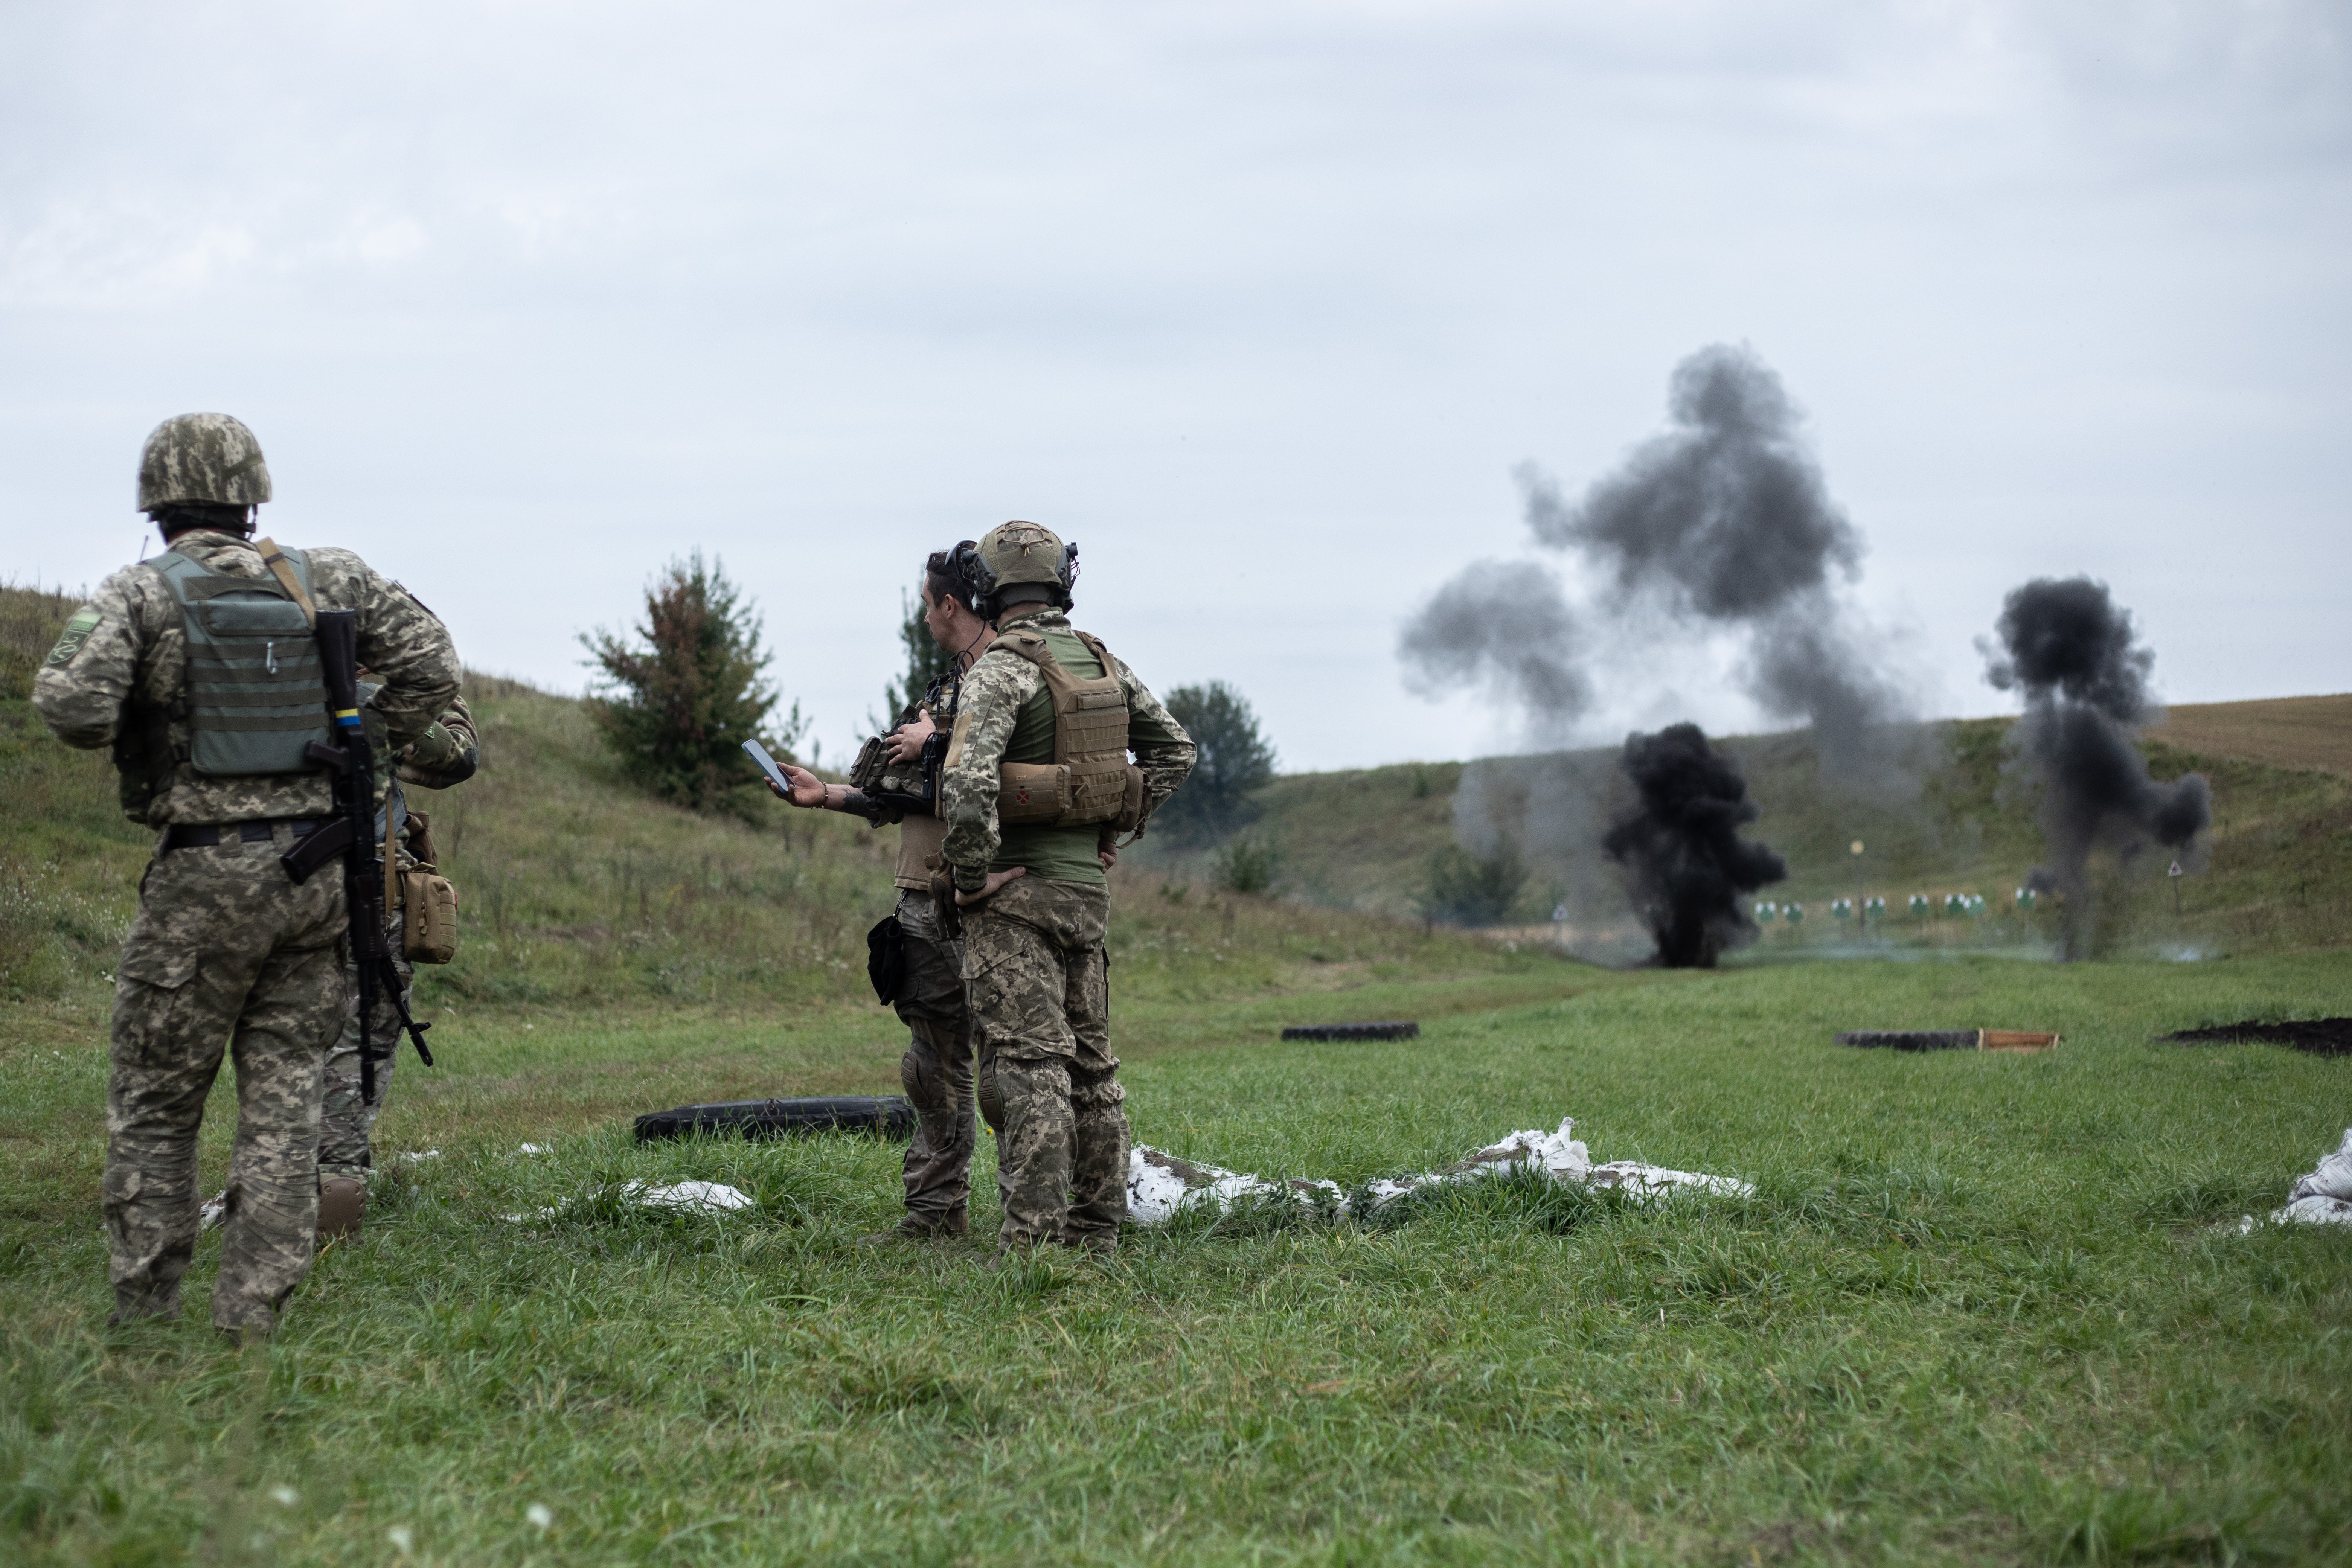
{"points": [[2069, 649], [1723, 521], [1685, 867]]}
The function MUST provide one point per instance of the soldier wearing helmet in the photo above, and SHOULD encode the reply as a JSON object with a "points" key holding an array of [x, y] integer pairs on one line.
{"points": [[1036, 790], [198, 669]]}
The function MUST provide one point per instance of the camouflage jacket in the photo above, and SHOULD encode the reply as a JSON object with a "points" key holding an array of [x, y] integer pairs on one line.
{"points": [[119, 677], [993, 693]]}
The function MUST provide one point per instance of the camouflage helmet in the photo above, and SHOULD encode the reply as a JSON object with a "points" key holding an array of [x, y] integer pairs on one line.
{"points": [[1014, 553], [202, 458]]}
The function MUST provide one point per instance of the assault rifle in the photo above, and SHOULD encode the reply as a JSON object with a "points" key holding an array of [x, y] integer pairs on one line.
{"points": [[351, 837]]}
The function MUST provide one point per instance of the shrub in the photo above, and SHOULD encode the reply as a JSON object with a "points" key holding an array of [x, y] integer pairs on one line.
{"points": [[1234, 759], [1248, 863], [1469, 890], [680, 701]]}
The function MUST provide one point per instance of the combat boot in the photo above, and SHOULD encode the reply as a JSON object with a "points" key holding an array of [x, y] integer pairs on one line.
{"points": [[913, 1228], [343, 1204]]}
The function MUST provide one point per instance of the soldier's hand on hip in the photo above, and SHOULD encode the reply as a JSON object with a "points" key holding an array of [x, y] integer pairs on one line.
{"points": [[995, 879]]}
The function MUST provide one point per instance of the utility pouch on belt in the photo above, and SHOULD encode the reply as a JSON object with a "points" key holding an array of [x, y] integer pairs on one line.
{"points": [[886, 957], [1089, 779], [428, 904], [428, 908]]}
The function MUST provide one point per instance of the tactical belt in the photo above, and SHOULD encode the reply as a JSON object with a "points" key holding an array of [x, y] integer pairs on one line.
{"points": [[179, 835]]}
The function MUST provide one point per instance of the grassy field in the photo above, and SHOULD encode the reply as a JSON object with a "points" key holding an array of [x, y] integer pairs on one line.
{"points": [[1982, 1308]]}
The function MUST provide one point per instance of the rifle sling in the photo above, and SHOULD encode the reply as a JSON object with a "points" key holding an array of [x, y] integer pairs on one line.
{"points": [[273, 558]]}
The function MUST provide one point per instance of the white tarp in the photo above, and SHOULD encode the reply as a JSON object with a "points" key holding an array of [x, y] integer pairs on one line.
{"points": [[1159, 1183], [2325, 1197]]}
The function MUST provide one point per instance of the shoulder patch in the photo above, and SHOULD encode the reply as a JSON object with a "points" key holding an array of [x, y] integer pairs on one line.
{"points": [[85, 621]]}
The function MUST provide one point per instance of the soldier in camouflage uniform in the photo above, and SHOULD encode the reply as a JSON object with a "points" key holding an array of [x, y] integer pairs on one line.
{"points": [[443, 758], [937, 1069], [1035, 901], [197, 667]]}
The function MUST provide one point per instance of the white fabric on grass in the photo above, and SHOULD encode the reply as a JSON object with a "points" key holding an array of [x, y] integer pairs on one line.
{"points": [[2324, 1196], [1160, 1185]]}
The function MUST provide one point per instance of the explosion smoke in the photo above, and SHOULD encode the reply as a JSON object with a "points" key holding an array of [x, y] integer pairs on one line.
{"points": [[1724, 521], [2069, 649], [1510, 625], [1684, 865]]}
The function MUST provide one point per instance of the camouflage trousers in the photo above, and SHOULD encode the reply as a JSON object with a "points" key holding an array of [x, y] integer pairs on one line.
{"points": [[225, 952], [936, 1067], [1036, 978], [346, 1120]]}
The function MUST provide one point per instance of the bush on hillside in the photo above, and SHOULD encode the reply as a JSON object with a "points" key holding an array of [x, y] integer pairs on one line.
{"points": [[1248, 863], [681, 699], [1234, 759], [1467, 890]]}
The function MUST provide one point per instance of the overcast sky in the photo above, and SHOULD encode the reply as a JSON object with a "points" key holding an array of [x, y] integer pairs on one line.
{"points": [[1260, 302]]}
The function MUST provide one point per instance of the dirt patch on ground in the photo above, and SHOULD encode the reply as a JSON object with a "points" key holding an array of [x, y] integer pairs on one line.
{"points": [[2320, 1036]]}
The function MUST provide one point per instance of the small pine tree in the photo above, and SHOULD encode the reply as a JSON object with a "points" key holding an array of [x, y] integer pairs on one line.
{"points": [[926, 662], [680, 700], [1234, 759]]}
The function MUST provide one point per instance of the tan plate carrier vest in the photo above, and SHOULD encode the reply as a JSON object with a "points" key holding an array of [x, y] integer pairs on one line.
{"points": [[1089, 779]]}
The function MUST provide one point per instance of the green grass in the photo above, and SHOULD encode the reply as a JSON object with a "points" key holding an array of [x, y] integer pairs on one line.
{"points": [[1983, 1309]]}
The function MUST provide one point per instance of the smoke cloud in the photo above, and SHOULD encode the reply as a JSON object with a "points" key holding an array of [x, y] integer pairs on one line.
{"points": [[2070, 649], [1678, 849], [1509, 625], [1723, 521]]}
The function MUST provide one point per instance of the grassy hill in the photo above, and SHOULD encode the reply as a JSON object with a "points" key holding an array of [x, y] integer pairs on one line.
{"points": [[576, 890], [2276, 871]]}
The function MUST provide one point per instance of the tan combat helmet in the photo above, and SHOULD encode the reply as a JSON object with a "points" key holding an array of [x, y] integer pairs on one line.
{"points": [[1017, 553], [207, 458]]}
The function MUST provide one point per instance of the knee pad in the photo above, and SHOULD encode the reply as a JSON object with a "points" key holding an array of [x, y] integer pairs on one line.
{"points": [[990, 1097], [343, 1204]]}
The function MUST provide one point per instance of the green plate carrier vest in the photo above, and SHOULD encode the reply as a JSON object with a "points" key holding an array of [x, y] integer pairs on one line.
{"points": [[256, 695], [1089, 779]]}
